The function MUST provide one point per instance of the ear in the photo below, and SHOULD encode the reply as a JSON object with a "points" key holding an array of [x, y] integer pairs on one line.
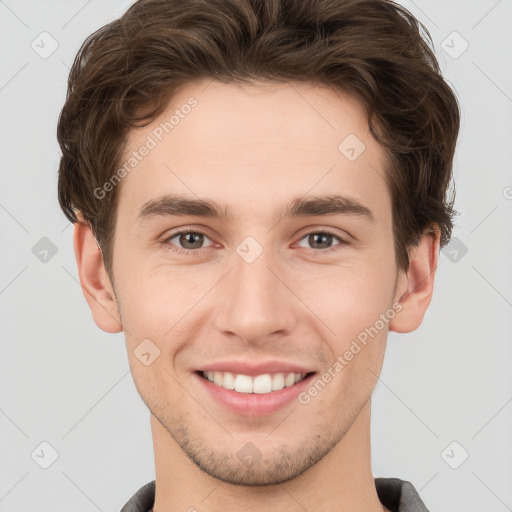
{"points": [[98, 290], [416, 285]]}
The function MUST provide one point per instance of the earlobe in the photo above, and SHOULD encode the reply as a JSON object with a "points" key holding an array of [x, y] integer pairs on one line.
{"points": [[416, 285], [95, 283]]}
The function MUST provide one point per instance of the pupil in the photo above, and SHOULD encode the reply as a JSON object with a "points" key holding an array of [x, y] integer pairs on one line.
{"points": [[189, 238], [320, 235]]}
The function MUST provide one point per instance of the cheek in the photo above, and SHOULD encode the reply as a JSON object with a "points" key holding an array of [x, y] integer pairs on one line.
{"points": [[161, 312], [349, 297], [154, 301]]}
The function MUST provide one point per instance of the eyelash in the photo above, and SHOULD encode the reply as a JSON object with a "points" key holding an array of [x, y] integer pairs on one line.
{"points": [[324, 231]]}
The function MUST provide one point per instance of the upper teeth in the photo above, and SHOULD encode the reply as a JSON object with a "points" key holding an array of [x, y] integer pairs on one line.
{"points": [[260, 384]]}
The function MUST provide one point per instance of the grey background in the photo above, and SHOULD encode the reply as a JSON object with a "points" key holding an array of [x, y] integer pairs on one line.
{"points": [[65, 382]]}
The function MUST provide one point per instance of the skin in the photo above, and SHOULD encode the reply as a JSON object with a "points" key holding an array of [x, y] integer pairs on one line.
{"points": [[292, 303]]}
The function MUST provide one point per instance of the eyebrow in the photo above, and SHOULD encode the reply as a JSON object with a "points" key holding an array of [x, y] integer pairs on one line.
{"points": [[172, 205]]}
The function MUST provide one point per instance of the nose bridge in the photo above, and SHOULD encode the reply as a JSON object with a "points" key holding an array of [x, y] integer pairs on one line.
{"points": [[256, 302]]}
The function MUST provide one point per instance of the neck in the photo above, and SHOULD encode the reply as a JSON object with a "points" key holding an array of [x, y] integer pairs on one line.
{"points": [[341, 481]]}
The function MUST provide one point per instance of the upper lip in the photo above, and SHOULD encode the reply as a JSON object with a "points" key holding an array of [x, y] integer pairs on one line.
{"points": [[253, 369]]}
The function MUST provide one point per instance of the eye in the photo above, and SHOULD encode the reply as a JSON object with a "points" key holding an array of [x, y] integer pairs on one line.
{"points": [[321, 241], [190, 241]]}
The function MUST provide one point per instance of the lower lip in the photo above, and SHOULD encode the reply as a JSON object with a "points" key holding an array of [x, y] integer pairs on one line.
{"points": [[254, 404]]}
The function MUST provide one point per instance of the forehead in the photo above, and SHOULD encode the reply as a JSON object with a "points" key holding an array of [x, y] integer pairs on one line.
{"points": [[255, 145]]}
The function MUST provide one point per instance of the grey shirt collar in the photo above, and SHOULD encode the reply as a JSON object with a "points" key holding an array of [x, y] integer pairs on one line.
{"points": [[395, 494]]}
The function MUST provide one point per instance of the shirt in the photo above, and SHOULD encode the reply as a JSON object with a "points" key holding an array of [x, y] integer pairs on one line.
{"points": [[395, 494]]}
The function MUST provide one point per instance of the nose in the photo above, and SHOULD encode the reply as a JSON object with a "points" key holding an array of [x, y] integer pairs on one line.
{"points": [[255, 302]]}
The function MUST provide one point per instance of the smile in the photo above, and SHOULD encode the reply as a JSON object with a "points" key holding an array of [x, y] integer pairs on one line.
{"points": [[259, 384]]}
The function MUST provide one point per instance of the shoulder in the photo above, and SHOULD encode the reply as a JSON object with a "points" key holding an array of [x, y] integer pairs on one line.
{"points": [[143, 500], [399, 495]]}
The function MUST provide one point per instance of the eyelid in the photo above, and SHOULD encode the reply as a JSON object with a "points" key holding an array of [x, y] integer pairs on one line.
{"points": [[184, 229], [342, 235]]}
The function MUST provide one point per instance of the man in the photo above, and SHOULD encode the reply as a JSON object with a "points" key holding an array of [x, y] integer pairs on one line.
{"points": [[304, 150]]}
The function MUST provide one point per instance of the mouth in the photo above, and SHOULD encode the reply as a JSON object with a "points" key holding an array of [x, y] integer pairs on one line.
{"points": [[266, 383], [249, 390]]}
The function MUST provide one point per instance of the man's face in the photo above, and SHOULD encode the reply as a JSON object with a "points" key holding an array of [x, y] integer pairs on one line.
{"points": [[257, 292]]}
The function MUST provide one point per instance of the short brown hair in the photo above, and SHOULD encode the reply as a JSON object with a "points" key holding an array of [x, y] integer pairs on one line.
{"points": [[126, 72]]}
